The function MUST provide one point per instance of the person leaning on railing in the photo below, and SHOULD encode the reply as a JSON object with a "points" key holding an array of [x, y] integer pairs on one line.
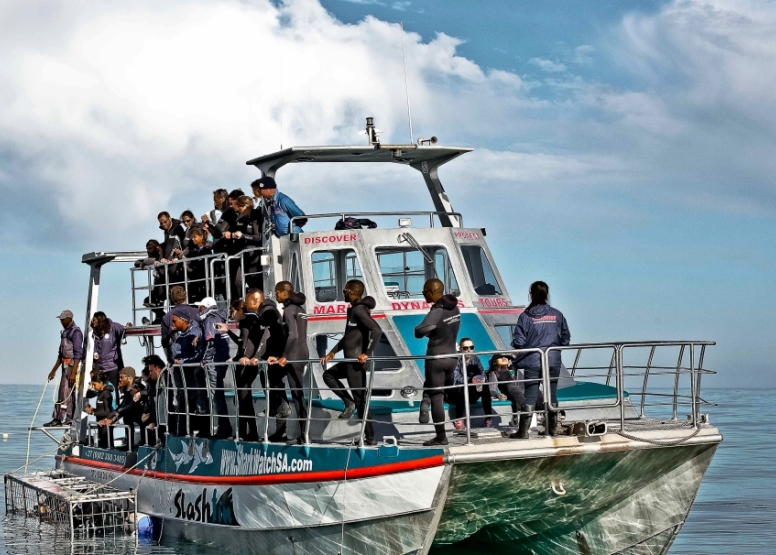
{"points": [[215, 353], [158, 294], [539, 326], [191, 379], [195, 266], [247, 234], [295, 323], [130, 406], [278, 207], [180, 306], [148, 421], [362, 334]]}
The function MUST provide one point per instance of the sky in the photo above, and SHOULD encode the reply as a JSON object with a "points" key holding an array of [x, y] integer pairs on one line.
{"points": [[624, 152]]}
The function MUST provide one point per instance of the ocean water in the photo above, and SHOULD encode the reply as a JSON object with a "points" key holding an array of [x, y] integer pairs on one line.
{"points": [[734, 513]]}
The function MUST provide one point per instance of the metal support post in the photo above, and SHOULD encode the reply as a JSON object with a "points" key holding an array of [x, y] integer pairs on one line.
{"points": [[646, 378], [466, 400], [676, 382]]}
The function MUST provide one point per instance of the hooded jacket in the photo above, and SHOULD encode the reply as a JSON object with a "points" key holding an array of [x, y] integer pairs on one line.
{"points": [[441, 326], [183, 345], [214, 344], [295, 322], [190, 312], [362, 333], [539, 327], [107, 348], [273, 336]]}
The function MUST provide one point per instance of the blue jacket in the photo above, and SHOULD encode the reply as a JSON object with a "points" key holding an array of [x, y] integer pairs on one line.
{"points": [[540, 326], [282, 210], [107, 348], [214, 343], [183, 347], [473, 368]]}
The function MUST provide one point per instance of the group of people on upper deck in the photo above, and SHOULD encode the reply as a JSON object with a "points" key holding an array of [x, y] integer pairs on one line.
{"points": [[196, 341], [237, 223]]}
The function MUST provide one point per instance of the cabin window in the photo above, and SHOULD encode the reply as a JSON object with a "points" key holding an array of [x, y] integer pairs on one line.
{"points": [[404, 270], [331, 271], [505, 333], [480, 271], [326, 341]]}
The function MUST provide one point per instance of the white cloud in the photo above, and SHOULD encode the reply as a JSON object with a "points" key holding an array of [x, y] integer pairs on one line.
{"points": [[548, 65]]}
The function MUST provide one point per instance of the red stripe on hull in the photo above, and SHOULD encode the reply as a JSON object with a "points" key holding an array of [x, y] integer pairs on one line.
{"points": [[288, 478]]}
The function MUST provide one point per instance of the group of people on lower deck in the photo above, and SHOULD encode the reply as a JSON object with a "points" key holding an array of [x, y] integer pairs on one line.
{"points": [[195, 338], [238, 223]]}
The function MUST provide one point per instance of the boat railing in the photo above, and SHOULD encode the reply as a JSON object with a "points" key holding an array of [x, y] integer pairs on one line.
{"points": [[637, 387], [431, 215], [221, 276]]}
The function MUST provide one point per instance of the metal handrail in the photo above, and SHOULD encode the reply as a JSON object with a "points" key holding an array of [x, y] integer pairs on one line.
{"points": [[343, 215], [167, 386]]}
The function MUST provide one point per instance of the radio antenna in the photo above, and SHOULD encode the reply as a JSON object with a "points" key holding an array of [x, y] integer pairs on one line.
{"points": [[406, 87]]}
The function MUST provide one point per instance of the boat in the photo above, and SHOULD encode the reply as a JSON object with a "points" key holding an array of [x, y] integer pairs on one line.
{"points": [[621, 479]]}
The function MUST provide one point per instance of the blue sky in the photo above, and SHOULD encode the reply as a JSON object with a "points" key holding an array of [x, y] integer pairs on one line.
{"points": [[624, 151]]}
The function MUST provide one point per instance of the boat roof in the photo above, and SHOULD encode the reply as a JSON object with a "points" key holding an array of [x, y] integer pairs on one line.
{"points": [[408, 154]]}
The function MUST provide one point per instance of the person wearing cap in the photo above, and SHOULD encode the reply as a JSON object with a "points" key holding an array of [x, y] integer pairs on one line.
{"points": [[130, 406], [186, 354], [71, 344], [179, 301], [502, 384], [278, 208], [215, 354]]}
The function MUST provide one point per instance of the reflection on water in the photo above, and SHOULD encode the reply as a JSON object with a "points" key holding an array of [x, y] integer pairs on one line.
{"points": [[735, 511]]}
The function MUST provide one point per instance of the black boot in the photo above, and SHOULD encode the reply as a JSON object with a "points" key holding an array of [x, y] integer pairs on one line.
{"points": [[551, 429], [423, 414], [524, 424]]}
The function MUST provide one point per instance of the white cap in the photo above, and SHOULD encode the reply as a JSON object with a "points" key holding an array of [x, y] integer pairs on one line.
{"points": [[207, 302]]}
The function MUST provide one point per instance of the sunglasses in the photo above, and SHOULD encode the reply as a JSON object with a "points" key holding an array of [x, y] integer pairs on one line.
{"points": [[467, 347]]}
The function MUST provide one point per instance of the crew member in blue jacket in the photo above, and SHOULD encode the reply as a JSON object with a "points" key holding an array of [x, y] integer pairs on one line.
{"points": [[215, 353], [539, 326], [107, 336], [278, 208], [185, 351]]}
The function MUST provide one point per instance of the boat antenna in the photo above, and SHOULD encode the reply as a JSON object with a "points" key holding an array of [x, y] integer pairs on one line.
{"points": [[406, 87]]}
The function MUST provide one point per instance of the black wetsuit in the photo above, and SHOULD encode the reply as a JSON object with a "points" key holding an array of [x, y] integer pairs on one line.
{"points": [[250, 337], [441, 326], [273, 343], [130, 411], [102, 410], [362, 334], [295, 322]]}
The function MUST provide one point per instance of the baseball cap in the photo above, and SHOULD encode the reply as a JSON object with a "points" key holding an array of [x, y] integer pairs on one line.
{"points": [[207, 302], [265, 182], [65, 314]]}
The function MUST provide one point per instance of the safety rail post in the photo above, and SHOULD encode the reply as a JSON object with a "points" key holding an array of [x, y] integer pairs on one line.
{"points": [[700, 374], [185, 399], [233, 367], [576, 362], [166, 284], [676, 383], [646, 379], [370, 376], [618, 351], [466, 399], [267, 390], [242, 272], [309, 404], [692, 386], [134, 305], [547, 390], [612, 366]]}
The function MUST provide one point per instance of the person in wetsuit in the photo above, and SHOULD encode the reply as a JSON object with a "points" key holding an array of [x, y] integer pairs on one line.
{"points": [[295, 323], [441, 326], [103, 390], [362, 334], [130, 409], [539, 326], [148, 420]]}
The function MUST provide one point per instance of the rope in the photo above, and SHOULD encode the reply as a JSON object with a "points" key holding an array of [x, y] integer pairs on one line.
{"points": [[29, 431], [660, 443]]}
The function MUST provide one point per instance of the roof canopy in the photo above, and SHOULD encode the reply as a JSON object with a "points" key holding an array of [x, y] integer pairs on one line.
{"points": [[414, 155]]}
